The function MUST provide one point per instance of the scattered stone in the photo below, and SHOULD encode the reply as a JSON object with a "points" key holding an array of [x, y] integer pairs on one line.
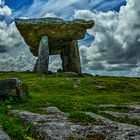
{"points": [[3, 135], [75, 86], [67, 74], [75, 80], [130, 108], [12, 87], [101, 87], [104, 106]]}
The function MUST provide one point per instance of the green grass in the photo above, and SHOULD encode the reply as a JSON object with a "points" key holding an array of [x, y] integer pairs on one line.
{"points": [[60, 92]]}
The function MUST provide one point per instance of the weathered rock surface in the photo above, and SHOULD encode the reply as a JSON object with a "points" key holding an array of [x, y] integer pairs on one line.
{"points": [[131, 115], [3, 135], [59, 32], [130, 108], [55, 125], [12, 87], [120, 131]]}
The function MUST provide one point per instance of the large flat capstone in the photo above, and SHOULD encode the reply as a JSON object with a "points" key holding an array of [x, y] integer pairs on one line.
{"points": [[58, 31]]}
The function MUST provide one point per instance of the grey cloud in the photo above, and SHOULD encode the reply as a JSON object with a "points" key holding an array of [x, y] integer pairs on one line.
{"points": [[14, 53], [3, 49], [116, 45]]}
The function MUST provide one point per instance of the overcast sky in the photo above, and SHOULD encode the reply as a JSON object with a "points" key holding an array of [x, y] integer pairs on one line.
{"points": [[112, 47]]}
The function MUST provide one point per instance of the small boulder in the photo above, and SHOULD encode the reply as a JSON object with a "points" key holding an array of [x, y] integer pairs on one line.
{"points": [[3, 135], [12, 88], [67, 74]]}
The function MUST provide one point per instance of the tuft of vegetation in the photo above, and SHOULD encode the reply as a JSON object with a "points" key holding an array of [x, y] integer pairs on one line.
{"points": [[13, 126], [82, 118], [70, 95]]}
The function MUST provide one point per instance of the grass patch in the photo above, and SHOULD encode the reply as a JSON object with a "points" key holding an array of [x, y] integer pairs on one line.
{"points": [[82, 118]]}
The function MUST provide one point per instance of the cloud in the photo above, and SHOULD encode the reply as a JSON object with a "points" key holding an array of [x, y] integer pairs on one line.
{"points": [[55, 63], [49, 15], [116, 46], [2, 2], [14, 53], [4, 10]]}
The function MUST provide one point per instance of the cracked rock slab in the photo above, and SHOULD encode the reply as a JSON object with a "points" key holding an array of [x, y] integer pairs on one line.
{"points": [[130, 108], [135, 116], [121, 131], [55, 125]]}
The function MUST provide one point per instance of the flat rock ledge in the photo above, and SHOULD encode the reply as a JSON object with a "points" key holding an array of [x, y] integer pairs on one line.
{"points": [[53, 124], [3, 135]]}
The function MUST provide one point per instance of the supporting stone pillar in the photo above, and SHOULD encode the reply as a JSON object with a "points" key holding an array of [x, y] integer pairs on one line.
{"points": [[42, 62], [70, 58]]}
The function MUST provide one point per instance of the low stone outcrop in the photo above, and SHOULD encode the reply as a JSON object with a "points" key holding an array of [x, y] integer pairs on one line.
{"points": [[62, 39], [56, 126], [130, 108], [12, 87], [132, 115]]}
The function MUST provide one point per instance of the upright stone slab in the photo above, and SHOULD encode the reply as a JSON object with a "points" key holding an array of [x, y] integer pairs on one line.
{"points": [[70, 58], [42, 62]]}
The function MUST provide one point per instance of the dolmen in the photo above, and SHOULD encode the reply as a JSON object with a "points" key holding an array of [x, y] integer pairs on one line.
{"points": [[54, 36]]}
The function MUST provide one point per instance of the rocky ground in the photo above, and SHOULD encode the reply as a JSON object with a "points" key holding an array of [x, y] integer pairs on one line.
{"points": [[52, 124]]}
